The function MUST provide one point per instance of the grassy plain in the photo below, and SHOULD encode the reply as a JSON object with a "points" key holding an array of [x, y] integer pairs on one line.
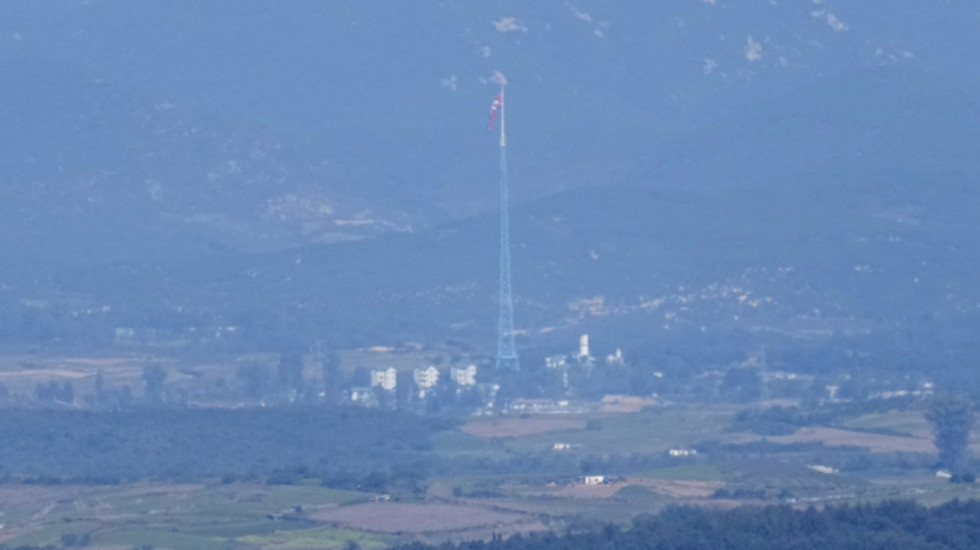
{"points": [[198, 516], [652, 430], [459, 504]]}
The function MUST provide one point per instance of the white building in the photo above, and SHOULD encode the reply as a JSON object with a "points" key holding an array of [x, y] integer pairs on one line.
{"points": [[556, 361], [426, 378], [615, 358], [683, 452], [363, 396], [583, 348], [594, 480], [543, 406], [386, 378], [464, 377]]}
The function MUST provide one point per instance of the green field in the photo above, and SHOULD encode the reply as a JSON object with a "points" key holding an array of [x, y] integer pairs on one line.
{"points": [[911, 423], [694, 472], [649, 431], [161, 515], [484, 472]]}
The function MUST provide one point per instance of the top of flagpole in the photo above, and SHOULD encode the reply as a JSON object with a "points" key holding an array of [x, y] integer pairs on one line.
{"points": [[503, 136]]}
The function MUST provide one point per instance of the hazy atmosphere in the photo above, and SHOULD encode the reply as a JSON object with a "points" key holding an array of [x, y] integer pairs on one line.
{"points": [[489, 275]]}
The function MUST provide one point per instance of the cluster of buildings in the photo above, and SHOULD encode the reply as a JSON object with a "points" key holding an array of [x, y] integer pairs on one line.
{"points": [[130, 337], [425, 381], [582, 357]]}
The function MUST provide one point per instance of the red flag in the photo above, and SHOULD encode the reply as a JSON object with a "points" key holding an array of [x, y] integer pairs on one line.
{"points": [[493, 109]]}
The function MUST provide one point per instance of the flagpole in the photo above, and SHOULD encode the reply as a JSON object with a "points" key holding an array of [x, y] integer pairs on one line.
{"points": [[506, 347], [503, 136]]}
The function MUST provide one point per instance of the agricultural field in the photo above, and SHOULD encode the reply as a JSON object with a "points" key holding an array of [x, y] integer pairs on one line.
{"points": [[22, 374], [195, 516], [651, 430], [470, 478]]}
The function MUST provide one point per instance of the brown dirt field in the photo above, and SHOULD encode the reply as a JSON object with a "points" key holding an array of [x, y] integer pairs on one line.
{"points": [[29, 495], [44, 374], [519, 427], [103, 362], [876, 443], [391, 517], [624, 403], [683, 489], [579, 490]]}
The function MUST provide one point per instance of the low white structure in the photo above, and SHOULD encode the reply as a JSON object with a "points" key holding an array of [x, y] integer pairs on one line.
{"points": [[615, 358], [683, 452], [363, 396], [594, 480], [822, 469], [540, 405], [464, 377], [556, 361], [561, 447], [386, 378]]}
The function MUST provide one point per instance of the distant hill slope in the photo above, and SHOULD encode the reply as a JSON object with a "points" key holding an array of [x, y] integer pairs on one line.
{"points": [[91, 172], [184, 164], [383, 103]]}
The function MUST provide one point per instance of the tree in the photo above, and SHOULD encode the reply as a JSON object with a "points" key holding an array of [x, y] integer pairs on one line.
{"points": [[67, 393], [154, 378], [99, 388], [256, 379], [742, 384], [951, 417], [44, 392], [289, 371], [332, 377], [125, 397]]}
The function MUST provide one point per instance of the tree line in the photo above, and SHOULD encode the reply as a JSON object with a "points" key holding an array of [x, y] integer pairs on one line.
{"points": [[902, 525]]}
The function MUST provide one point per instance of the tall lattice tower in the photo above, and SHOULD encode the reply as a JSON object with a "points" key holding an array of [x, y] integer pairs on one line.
{"points": [[506, 348]]}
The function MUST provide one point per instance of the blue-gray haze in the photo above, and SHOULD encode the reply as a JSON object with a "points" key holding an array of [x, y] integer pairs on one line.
{"points": [[320, 170]]}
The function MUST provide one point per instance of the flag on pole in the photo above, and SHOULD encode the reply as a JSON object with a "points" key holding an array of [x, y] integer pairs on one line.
{"points": [[494, 108]]}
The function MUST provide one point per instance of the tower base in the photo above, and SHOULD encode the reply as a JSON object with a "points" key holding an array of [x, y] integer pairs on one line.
{"points": [[508, 362]]}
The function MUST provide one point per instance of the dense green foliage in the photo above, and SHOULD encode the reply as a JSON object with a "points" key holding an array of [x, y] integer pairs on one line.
{"points": [[346, 447], [952, 419], [888, 526], [786, 420]]}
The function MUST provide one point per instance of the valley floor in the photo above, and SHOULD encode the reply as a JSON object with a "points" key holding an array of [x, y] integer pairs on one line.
{"points": [[731, 470]]}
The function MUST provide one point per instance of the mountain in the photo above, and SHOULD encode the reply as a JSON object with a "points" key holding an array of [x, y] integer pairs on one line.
{"points": [[91, 172], [392, 97], [319, 171]]}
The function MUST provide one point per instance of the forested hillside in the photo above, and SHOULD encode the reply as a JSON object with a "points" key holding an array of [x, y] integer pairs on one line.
{"points": [[353, 448], [190, 166], [887, 526]]}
